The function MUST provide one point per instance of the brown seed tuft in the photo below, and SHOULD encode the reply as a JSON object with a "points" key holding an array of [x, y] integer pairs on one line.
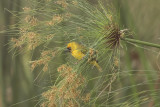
{"points": [[67, 90], [63, 3]]}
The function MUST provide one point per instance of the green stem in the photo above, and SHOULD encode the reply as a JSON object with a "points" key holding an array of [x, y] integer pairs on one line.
{"points": [[141, 42]]}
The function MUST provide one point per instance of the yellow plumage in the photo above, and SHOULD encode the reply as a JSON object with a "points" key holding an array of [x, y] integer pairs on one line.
{"points": [[78, 51]]}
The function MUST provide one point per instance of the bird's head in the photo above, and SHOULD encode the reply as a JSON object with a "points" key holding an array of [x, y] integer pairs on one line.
{"points": [[71, 46]]}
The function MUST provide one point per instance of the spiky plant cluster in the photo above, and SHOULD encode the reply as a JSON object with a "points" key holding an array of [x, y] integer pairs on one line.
{"points": [[113, 40], [67, 93], [51, 25]]}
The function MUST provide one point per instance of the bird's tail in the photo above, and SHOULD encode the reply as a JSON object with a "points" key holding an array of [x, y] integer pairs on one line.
{"points": [[97, 66]]}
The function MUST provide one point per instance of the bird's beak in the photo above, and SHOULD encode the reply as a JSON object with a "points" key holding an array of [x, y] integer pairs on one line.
{"points": [[67, 50]]}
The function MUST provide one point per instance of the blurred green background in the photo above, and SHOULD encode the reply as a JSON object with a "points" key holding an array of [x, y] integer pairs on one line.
{"points": [[17, 84]]}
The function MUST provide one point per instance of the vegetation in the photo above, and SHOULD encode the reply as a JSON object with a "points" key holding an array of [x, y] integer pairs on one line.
{"points": [[41, 33]]}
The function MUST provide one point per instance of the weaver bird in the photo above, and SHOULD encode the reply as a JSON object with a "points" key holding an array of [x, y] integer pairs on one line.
{"points": [[78, 51]]}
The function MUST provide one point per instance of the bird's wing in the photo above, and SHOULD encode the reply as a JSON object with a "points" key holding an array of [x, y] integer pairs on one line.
{"points": [[84, 51], [80, 48]]}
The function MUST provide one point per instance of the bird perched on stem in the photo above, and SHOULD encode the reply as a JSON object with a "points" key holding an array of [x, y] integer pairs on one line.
{"points": [[78, 51]]}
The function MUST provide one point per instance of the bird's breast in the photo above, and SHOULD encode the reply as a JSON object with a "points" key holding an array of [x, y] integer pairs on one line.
{"points": [[78, 54]]}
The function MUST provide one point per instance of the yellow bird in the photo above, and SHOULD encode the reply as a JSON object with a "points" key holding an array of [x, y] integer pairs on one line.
{"points": [[78, 51]]}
